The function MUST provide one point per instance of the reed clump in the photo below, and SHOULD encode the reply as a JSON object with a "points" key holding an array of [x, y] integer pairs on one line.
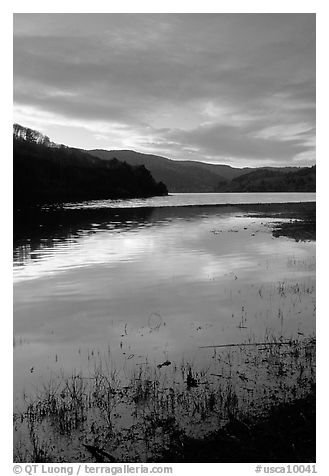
{"points": [[141, 417]]}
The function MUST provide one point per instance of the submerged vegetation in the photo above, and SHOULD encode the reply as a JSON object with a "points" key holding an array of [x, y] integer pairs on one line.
{"points": [[302, 219], [286, 433], [161, 413]]}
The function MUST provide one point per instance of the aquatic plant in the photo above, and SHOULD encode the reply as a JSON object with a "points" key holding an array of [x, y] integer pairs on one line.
{"points": [[135, 420]]}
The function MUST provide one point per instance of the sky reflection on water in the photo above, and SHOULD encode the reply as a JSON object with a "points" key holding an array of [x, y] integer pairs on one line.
{"points": [[213, 276]]}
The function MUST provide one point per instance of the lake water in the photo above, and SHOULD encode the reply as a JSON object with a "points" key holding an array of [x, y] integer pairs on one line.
{"points": [[154, 284], [189, 199]]}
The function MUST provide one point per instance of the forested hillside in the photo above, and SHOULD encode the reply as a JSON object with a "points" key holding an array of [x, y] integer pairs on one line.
{"points": [[47, 172], [192, 176], [178, 175], [273, 180]]}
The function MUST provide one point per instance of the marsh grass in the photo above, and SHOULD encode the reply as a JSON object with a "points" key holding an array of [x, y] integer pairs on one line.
{"points": [[138, 418]]}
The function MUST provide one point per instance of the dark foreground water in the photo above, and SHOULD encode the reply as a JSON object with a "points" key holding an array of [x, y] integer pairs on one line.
{"points": [[150, 285]]}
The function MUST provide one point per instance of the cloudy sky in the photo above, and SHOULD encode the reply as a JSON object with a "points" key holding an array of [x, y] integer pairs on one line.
{"points": [[237, 89]]}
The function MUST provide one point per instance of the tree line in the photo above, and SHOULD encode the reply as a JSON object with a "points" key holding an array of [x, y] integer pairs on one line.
{"points": [[47, 173]]}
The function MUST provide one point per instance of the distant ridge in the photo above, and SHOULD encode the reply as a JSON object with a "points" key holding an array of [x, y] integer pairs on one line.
{"points": [[46, 171], [190, 176], [179, 176]]}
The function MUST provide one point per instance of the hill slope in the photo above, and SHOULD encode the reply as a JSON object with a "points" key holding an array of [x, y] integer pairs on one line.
{"points": [[274, 180], [179, 176], [47, 172], [189, 176]]}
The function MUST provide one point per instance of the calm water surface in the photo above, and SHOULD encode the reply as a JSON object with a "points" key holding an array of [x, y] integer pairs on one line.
{"points": [[153, 284], [188, 199]]}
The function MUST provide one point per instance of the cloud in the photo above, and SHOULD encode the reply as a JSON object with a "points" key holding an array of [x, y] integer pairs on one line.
{"points": [[242, 143], [232, 87]]}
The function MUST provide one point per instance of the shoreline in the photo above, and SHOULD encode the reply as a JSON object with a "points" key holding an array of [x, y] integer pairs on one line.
{"points": [[286, 434], [233, 415], [63, 207], [305, 212]]}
